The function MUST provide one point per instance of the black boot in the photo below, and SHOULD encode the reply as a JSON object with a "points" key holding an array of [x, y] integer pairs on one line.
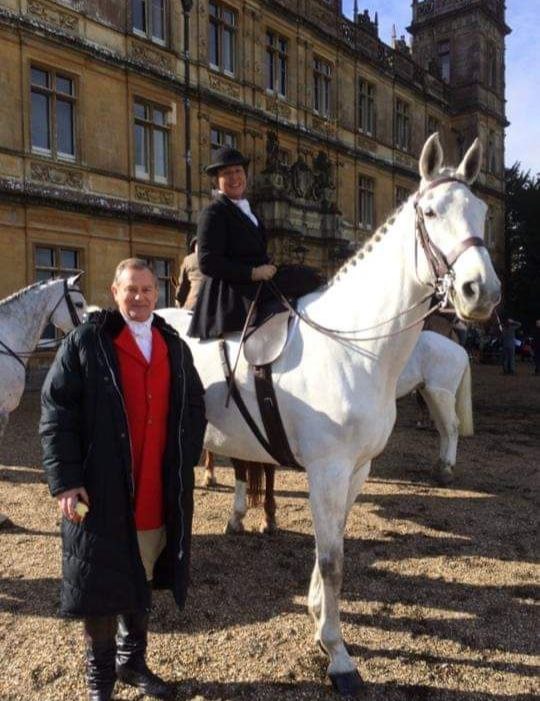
{"points": [[99, 632], [131, 667]]}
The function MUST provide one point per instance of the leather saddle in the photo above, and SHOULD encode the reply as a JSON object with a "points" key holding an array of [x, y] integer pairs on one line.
{"points": [[264, 344]]}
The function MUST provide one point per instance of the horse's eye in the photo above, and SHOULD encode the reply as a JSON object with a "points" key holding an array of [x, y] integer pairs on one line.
{"points": [[79, 305], [429, 212]]}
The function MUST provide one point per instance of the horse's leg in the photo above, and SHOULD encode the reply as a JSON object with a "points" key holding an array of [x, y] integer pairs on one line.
{"points": [[315, 590], [329, 492], [209, 475], [442, 407], [269, 525], [4, 418], [235, 523]]}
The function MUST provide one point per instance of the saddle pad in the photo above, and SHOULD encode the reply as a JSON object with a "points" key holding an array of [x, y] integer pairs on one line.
{"points": [[267, 342]]}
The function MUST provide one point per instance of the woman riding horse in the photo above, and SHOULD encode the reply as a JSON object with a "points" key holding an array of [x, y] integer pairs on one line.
{"points": [[232, 252]]}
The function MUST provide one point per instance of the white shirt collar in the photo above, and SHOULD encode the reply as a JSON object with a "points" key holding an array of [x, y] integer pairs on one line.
{"points": [[140, 328]]}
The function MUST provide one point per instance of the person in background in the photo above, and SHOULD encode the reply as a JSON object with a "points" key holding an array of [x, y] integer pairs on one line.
{"points": [[122, 426], [508, 334], [536, 347], [189, 280]]}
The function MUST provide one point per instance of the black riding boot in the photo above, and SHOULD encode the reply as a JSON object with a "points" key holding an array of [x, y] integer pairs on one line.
{"points": [[131, 667], [99, 632]]}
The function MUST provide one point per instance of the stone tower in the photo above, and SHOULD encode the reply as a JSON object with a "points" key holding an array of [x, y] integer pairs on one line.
{"points": [[462, 41]]}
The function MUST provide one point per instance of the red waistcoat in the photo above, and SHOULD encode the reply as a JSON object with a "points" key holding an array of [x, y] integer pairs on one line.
{"points": [[145, 387]]}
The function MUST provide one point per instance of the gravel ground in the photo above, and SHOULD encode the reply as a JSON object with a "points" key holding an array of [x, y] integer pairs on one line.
{"points": [[440, 597]]}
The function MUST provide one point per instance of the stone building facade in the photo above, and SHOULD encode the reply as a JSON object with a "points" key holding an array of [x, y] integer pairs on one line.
{"points": [[110, 110]]}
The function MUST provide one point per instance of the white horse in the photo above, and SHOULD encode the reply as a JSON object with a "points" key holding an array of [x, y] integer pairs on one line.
{"points": [[23, 317], [439, 369], [337, 391]]}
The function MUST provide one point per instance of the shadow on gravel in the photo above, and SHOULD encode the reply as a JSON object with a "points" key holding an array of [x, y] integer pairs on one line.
{"points": [[21, 475], [294, 691], [30, 597]]}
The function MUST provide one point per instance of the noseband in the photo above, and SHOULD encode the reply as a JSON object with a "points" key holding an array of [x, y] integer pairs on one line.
{"points": [[441, 264], [72, 313]]}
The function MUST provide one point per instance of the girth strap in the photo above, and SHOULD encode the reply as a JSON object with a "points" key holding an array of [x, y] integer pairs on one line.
{"points": [[274, 448], [12, 353], [269, 408]]}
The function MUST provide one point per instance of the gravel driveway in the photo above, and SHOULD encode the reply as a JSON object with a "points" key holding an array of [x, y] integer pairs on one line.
{"points": [[440, 596]]}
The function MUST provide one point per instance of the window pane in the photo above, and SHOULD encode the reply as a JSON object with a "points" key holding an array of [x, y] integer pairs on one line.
{"points": [[270, 70], [42, 275], [230, 139], [228, 49], [162, 297], [228, 16], [39, 77], [160, 267], [40, 121], [68, 259], [214, 44], [160, 154], [139, 15], [141, 149], [64, 127], [159, 117], [212, 8], [141, 110], [64, 85], [44, 257], [158, 19]]}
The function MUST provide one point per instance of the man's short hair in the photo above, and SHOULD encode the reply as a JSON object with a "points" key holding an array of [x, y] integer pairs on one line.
{"points": [[137, 264]]}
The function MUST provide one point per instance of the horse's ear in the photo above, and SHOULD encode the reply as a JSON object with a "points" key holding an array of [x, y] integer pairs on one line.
{"points": [[470, 166], [431, 158], [75, 278]]}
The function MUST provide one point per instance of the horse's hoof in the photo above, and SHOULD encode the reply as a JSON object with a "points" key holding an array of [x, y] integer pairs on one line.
{"points": [[268, 529], [444, 474], [234, 530], [347, 683]]}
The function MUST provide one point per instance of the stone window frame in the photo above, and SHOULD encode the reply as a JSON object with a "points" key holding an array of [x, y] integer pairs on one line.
{"points": [[165, 281], [277, 63], [492, 65], [150, 127], [444, 59], [491, 154], [323, 72], [402, 129], [222, 27], [432, 125], [55, 96], [366, 202], [401, 195], [56, 270], [148, 7], [371, 111]]}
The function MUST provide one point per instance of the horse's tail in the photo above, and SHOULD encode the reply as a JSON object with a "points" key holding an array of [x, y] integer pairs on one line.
{"points": [[464, 404], [252, 473], [255, 477]]}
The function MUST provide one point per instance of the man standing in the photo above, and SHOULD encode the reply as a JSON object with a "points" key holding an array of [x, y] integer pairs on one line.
{"points": [[189, 280], [122, 426], [508, 333]]}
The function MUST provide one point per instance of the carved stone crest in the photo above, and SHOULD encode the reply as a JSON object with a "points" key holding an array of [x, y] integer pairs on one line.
{"points": [[53, 15], [148, 194], [52, 175]]}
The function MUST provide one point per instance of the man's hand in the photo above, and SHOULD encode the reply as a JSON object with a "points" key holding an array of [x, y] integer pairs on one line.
{"points": [[68, 501], [263, 272]]}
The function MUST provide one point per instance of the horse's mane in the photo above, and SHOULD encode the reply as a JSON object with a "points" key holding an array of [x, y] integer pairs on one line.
{"points": [[367, 246], [20, 293]]}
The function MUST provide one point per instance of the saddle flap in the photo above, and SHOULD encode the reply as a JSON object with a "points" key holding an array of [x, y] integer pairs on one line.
{"points": [[266, 343]]}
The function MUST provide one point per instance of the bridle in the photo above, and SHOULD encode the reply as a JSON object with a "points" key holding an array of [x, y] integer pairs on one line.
{"points": [[19, 355], [441, 266]]}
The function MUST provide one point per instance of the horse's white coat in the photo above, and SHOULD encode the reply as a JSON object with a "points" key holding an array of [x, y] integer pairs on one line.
{"points": [[23, 317], [337, 399], [439, 369]]}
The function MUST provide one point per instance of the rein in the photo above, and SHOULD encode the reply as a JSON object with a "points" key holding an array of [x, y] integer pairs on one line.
{"points": [[441, 267], [19, 355]]}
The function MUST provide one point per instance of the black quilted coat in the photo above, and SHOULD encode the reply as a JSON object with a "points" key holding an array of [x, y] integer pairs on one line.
{"points": [[85, 439]]}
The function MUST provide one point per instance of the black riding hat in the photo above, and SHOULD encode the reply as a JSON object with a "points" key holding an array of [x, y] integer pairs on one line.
{"points": [[224, 157]]}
